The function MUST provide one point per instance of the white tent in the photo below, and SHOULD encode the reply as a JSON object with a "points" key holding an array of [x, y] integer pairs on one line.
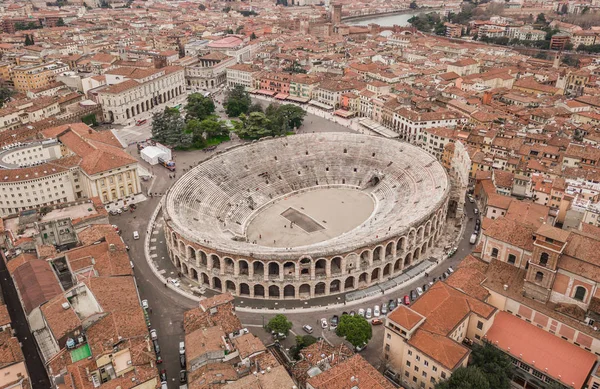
{"points": [[151, 154]]}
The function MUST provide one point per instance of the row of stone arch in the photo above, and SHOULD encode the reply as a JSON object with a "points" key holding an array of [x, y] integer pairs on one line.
{"points": [[223, 283], [147, 105]]}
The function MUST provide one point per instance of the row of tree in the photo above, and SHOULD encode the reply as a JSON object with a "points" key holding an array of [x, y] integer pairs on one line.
{"points": [[200, 127]]}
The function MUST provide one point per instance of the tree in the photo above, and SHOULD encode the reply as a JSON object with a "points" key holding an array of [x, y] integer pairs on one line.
{"points": [[254, 126], [199, 107], [279, 324], [356, 329], [302, 342], [252, 36], [168, 128], [194, 128], [465, 378], [60, 22], [212, 127], [413, 5], [256, 107], [541, 19], [202, 7], [28, 40], [237, 101], [239, 29], [5, 94], [293, 114], [496, 366]]}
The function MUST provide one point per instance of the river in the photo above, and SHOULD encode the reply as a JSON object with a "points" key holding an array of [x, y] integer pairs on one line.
{"points": [[385, 20]]}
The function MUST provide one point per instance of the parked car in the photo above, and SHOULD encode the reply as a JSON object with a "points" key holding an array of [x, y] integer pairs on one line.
{"points": [[477, 222], [473, 238], [159, 360], [136, 235], [163, 375], [392, 304], [361, 312], [334, 321], [406, 300], [413, 295], [376, 322], [181, 348], [323, 323], [425, 287], [307, 328], [384, 308], [182, 361], [419, 291], [476, 211], [174, 282], [119, 211], [352, 313], [471, 199], [476, 230], [140, 122], [400, 301], [182, 376], [369, 313], [450, 270], [376, 311], [361, 348], [153, 334], [163, 385]]}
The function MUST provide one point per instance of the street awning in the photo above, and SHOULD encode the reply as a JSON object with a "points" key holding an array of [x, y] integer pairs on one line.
{"points": [[343, 113], [320, 105], [265, 92], [297, 99], [378, 128], [281, 96]]}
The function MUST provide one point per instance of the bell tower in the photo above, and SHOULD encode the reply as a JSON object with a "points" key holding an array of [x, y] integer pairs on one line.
{"points": [[548, 245]]}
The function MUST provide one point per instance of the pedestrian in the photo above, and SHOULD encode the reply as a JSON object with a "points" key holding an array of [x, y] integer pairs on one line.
{"points": [[259, 236], [150, 310]]}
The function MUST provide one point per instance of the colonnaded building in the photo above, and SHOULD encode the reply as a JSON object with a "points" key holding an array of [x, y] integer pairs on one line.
{"points": [[306, 215], [69, 163]]}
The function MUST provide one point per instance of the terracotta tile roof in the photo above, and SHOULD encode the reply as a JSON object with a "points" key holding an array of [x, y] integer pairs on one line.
{"points": [[529, 213], [552, 232], [469, 280], [441, 348], [224, 316], [499, 201], [20, 259], [340, 376], [276, 378], [248, 344], [204, 341], [512, 232], [37, 283], [10, 350], [216, 300], [4, 316], [405, 317], [212, 376], [60, 321], [553, 356]]}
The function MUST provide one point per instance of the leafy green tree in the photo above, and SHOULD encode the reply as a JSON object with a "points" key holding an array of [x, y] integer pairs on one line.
{"points": [[302, 342], [541, 19], [212, 127], [356, 329], [5, 94], [28, 40], [193, 128], [60, 22], [496, 366], [254, 126], [168, 128], [237, 101], [202, 7], [199, 107], [280, 324], [413, 5], [229, 31], [293, 115], [465, 378], [256, 107], [252, 36]]}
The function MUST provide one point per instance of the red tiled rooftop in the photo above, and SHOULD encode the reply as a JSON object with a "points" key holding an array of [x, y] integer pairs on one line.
{"points": [[541, 350]]}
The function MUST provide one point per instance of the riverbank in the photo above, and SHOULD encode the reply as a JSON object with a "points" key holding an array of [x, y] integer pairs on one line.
{"points": [[387, 19]]}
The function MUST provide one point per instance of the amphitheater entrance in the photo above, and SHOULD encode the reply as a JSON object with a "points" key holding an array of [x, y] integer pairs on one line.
{"points": [[259, 291], [304, 291], [274, 291], [244, 290], [310, 217], [289, 292]]}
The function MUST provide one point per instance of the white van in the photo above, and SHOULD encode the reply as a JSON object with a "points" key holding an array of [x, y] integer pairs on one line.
{"points": [[473, 238], [136, 235]]}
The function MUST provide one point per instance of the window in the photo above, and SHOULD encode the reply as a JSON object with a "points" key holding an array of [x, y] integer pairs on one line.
{"points": [[424, 374], [579, 293], [408, 363], [544, 259], [479, 325], [434, 368], [409, 352], [414, 379], [418, 358], [387, 347], [494, 253], [389, 336], [426, 363], [443, 375], [416, 368], [512, 259], [539, 276], [406, 374]]}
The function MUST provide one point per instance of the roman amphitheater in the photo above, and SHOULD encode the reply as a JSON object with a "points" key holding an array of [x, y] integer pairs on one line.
{"points": [[306, 215]]}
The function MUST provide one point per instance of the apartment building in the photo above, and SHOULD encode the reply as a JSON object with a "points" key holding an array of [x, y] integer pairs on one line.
{"points": [[242, 75], [29, 77], [73, 163], [209, 72], [410, 124], [422, 343], [23, 112], [434, 140], [132, 91]]}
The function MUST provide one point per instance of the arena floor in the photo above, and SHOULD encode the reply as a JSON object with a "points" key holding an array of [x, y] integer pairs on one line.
{"points": [[317, 216]]}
